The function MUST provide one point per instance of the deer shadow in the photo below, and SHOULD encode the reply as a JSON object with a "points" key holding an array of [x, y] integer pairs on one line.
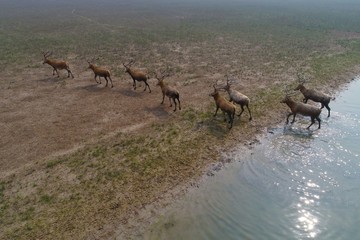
{"points": [[289, 129], [129, 92], [93, 87], [217, 127], [52, 79], [158, 111]]}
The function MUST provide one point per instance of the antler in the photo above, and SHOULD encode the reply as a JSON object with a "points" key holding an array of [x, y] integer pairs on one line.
{"points": [[214, 86], [131, 62], [91, 60], [47, 54], [163, 74], [217, 85], [166, 72], [229, 80]]}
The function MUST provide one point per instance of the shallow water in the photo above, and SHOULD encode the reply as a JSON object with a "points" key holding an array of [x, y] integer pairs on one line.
{"points": [[296, 184]]}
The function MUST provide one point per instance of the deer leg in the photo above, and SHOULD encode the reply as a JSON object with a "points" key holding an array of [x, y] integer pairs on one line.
{"points": [[328, 108], [247, 106], [293, 118], [106, 81], [54, 69], [287, 119], [242, 110], [179, 103], [134, 84], [147, 85], [217, 108], [163, 99], [319, 120], [312, 122], [174, 103], [96, 80], [69, 72], [111, 82], [231, 119], [170, 102], [225, 116]]}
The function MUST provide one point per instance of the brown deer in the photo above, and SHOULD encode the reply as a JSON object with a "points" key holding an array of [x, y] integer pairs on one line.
{"points": [[100, 72], [238, 98], [225, 106], [303, 109], [313, 94], [136, 75], [167, 90], [56, 64]]}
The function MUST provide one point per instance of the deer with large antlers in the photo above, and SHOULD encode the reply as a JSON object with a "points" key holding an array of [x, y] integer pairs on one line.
{"points": [[100, 72], [225, 106], [314, 95], [303, 109], [237, 97], [57, 64], [136, 75], [167, 90]]}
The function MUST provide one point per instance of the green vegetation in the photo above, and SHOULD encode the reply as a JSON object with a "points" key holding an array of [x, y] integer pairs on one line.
{"points": [[72, 195], [325, 67]]}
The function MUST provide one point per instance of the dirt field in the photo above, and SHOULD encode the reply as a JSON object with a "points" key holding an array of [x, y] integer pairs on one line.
{"points": [[44, 116]]}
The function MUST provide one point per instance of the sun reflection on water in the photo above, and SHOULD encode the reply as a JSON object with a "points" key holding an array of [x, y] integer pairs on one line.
{"points": [[307, 222]]}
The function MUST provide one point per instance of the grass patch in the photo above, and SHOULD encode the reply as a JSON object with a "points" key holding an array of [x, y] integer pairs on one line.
{"points": [[46, 199], [326, 67]]}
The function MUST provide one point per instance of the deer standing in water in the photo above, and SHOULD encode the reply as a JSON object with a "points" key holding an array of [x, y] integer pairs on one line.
{"points": [[314, 95], [303, 109]]}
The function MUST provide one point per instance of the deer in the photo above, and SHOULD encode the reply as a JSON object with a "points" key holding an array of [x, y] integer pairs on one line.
{"points": [[237, 97], [136, 75], [314, 95], [100, 72], [56, 64], [225, 106], [167, 90], [302, 109]]}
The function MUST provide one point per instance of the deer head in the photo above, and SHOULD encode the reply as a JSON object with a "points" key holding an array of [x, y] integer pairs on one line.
{"points": [[128, 65], [46, 55]]}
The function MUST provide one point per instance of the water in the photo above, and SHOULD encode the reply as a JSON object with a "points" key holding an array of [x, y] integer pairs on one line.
{"points": [[296, 184]]}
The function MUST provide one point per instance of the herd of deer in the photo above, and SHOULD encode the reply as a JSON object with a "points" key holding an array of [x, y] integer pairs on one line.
{"points": [[226, 106]]}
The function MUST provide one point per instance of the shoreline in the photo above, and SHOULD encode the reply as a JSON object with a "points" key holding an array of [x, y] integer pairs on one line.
{"points": [[138, 225]]}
